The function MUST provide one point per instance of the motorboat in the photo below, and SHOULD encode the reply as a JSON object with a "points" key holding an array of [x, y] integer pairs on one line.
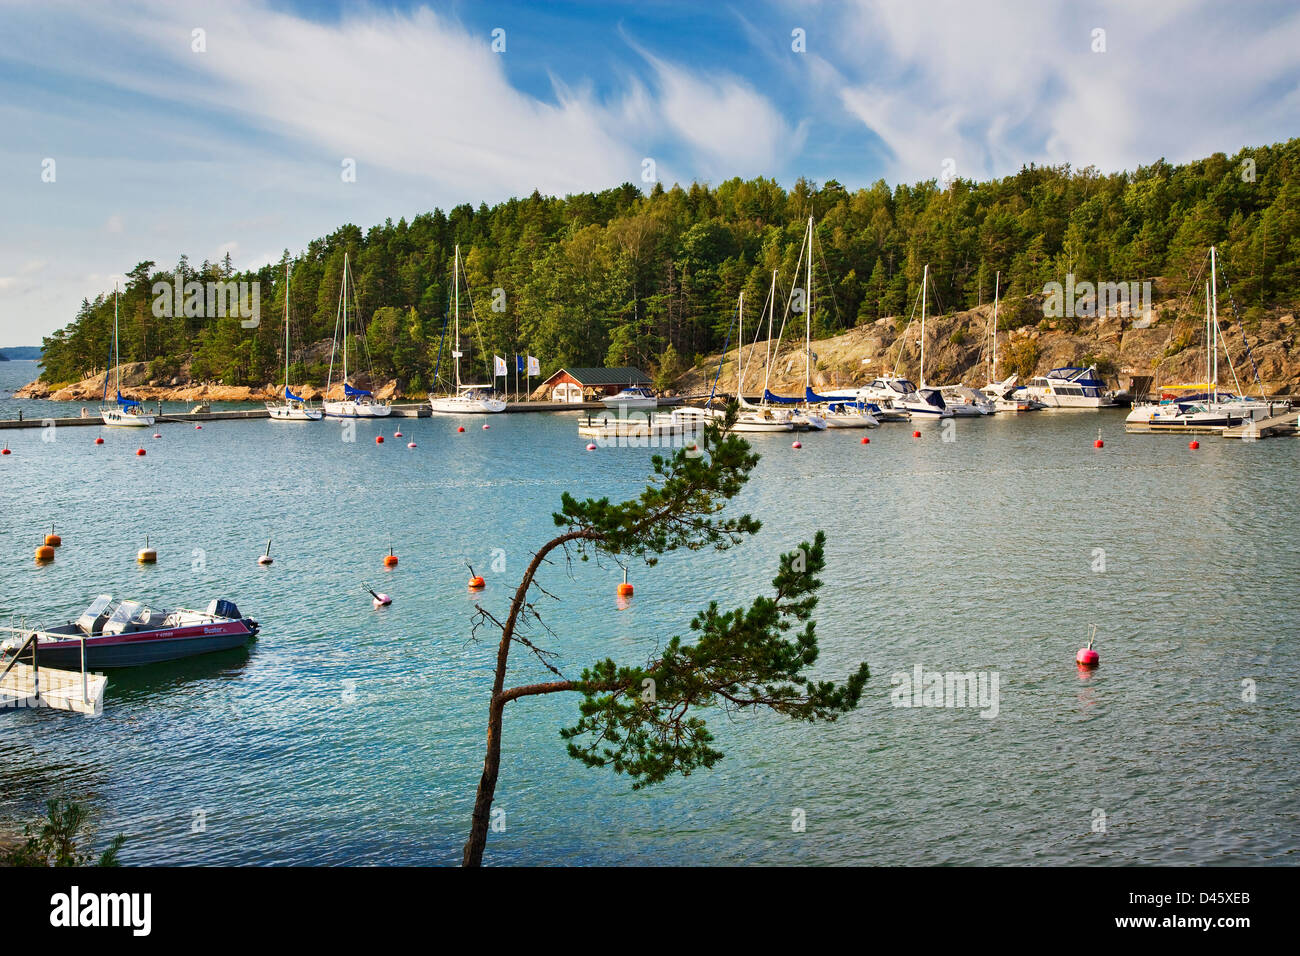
{"points": [[965, 401], [1070, 387], [1007, 396], [635, 397], [900, 393], [129, 633]]}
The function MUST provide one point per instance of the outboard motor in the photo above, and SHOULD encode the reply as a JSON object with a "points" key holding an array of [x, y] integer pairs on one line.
{"points": [[220, 607]]}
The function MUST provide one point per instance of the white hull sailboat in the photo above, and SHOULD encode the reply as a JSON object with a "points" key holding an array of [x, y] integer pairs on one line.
{"points": [[127, 413], [466, 399], [293, 408], [1196, 407], [356, 403]]}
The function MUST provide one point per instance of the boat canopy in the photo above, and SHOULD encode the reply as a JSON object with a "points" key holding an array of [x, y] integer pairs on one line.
{"points": [[836, 404], [349, 391], [780, 400], [291, 396], [932, 396], [126, 402]]}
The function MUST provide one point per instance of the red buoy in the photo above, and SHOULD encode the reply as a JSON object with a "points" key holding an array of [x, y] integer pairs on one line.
{"points": [[379, 439], [486, 427], [99, 441], [1086, 657], [1193, 444], [140, 452], [157, 435], [5, 451], [397, 434], [410, 444], [1099, 444], [460, 428], [591, 446], [866, 440], [198, 428], [797, 444], [916, 434]]}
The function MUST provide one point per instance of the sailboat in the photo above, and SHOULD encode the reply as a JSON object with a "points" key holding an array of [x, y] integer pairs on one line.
{"points": [[355, 403], [802, 415], [1005, 396], [467, 399], [750, 417], [293, 408], [1202, 406], [127, 413], [918, 400]]}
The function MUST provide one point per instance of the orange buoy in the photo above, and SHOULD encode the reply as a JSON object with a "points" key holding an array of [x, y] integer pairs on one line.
{"points": [[390, 559], [146, 555], [1193, 444], [139, 452], [460, 428], [625, 589], [379, 439], [475, 580], [99, 441], [44, 553], [916, 434], [52, 539]]}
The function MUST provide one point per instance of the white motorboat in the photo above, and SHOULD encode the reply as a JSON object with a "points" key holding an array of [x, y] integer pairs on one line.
{"points": [[127, 413], [635, 397], [965, 401], [1070, 387], [1007, 396], [464, 399], [293, 408], [356, 402]]}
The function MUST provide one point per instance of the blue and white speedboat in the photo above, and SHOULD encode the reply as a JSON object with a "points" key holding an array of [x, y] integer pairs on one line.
{"points": [[1070, 387]]}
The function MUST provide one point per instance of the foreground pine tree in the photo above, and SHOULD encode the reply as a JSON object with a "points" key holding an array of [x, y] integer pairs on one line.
{"points": [[643, 720]]}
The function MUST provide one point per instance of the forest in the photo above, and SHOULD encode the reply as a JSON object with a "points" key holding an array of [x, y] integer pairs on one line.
{"points": [[650, 279]]}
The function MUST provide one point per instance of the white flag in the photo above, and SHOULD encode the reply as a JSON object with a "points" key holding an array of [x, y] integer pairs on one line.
{"points": [[499, 365], [534, 368]]}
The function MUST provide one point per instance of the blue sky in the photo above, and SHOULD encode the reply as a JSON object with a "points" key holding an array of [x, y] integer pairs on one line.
{"points": [[160, 149]]}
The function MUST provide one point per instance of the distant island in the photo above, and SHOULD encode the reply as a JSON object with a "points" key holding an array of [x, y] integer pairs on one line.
{"points": [[22, 353], [650, 279]]}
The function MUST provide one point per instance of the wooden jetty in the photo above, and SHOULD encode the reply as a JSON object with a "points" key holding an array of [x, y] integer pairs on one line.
{"points": [[1278, 425]]}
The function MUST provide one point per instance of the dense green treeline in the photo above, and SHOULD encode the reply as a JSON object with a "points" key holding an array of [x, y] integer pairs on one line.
{"points": [[620, 277]]}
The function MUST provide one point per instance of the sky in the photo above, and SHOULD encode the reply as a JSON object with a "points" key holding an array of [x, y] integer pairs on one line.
{"points": [[136, 130]]}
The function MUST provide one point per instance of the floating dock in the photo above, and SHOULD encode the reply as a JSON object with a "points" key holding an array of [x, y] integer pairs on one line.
{"points": [[636, 426], [1278, 425], [25, 686]]}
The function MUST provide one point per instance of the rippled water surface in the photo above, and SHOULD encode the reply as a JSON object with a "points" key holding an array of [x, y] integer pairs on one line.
{"points": [[346, 735]]}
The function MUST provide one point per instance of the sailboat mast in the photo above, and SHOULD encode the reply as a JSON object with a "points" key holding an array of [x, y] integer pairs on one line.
{"points": [[345, 319], [117, 357], [767, 365], [925, 281], [807, 335], [993, 355], [455, 282], [740, 347], [1214, 313], [286, 339]]}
